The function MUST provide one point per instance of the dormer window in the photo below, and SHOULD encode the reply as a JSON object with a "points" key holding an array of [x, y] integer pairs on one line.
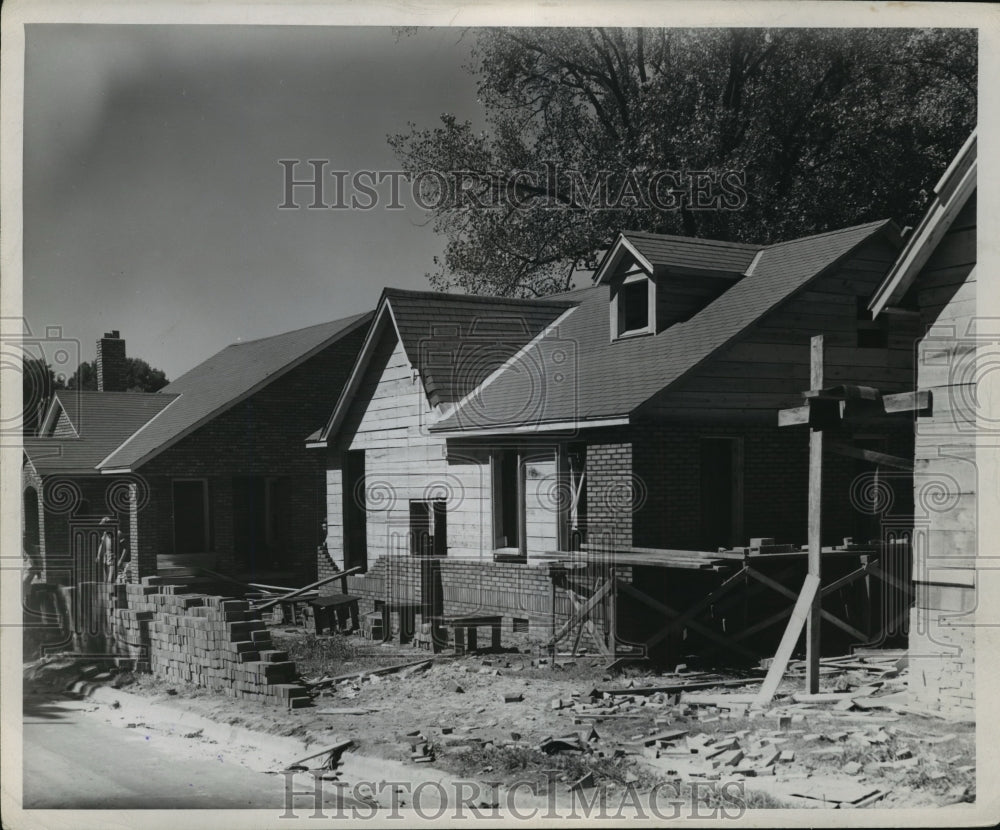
{"points": [[633, 306]]}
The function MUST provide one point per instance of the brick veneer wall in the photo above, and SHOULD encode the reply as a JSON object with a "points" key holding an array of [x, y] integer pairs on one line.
{"points": [[611, 488], [644, 485], [210, 641], [263, 435], [468, 587]]}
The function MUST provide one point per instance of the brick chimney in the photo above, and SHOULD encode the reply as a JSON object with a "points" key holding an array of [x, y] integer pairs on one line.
{"points": [[111, 363]]}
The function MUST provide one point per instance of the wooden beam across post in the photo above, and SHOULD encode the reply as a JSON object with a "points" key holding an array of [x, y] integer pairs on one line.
{"points": [[829, 408], [297, 591], [814, 569]]}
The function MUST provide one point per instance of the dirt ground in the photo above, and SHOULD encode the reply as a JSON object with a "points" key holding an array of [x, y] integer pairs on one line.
{"points": [[510, 716]]}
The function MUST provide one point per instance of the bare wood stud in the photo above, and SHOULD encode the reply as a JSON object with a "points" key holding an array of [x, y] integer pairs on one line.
{"points": [[814, 620]]}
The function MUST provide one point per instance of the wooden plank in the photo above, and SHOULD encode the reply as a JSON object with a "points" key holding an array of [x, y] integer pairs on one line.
{"points": [[794, 416], [732, 582], [749, 381], [587, 622], [844, 392], [580, 613], [823, 697], [871, 455], [335, 749], [800, 612], [908, 401], [297, 591], [826, 615], [704, 630], [814, 562], [890, 579], [329, 681], [680, 686]]}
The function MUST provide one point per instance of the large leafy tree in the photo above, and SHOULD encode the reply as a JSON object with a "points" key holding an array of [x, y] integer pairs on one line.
{"points": [[830, 128]]}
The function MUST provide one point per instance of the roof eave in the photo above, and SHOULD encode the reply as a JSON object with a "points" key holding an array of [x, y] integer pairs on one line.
{"points": [[613, 257], [524, 429], [887, 229], [49, 421], [951, 194], [215, 413], [360, 365]]}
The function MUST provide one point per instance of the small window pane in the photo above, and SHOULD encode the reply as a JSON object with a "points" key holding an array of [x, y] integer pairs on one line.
{"points": [[634, 306]]}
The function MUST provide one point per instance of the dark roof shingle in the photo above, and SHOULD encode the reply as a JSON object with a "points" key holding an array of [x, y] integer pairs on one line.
{"points": [[575, 373], [456, 340], [103, 420], [223, 380], [689, 252]]}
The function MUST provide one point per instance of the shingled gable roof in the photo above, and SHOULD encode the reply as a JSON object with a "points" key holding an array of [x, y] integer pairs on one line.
{"points": [[222, 381], [609, 380], [654, 251], [102, 421], [454, 341], [951, 193]]}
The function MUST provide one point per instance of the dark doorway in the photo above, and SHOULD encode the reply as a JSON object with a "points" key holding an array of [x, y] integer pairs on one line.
{"points": [[721, 493], [507, 499], [32, 528], [259, 514], [428, 527], [355, 511], [191, 516]]}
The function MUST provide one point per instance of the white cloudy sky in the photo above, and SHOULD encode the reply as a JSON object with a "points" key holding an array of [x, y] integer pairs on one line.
{"points": [[151, 180]]}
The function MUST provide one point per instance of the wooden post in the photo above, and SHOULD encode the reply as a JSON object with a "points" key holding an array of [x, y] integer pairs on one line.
{"points": [[613, 611], [814, 619]]}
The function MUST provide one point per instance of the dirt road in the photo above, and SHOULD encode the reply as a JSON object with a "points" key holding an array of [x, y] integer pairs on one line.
{"points": [[75, 758]]}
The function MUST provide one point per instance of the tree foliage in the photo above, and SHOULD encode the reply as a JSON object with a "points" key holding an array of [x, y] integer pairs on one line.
{"points": [[38, 383], [832, 128], [139, 377]]}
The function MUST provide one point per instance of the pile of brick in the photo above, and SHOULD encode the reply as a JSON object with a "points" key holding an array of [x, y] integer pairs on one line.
{"points": [[210, 641], [129, 624]]}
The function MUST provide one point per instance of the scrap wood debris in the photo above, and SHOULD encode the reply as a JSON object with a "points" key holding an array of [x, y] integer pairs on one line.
{"points": [[407, 669], [330, 760]]}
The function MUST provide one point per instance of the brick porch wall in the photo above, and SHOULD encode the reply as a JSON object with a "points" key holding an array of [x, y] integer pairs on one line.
{"points": [[467, 587]]}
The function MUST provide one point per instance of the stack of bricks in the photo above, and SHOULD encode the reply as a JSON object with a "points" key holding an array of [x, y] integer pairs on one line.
{"points": [[129, 623], [210, 641]]}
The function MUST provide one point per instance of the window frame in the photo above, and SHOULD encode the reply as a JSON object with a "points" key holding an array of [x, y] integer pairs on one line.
{"points": [[619, 310]]}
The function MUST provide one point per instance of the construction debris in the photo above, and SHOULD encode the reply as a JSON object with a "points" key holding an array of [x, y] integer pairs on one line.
{"points": [[331, 757], [345, 711], [326, 682]]}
